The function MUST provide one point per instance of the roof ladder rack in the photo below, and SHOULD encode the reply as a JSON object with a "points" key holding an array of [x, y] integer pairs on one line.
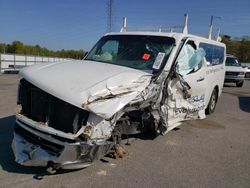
{"points": [[124, 25], [160, 28], [210, 30]]}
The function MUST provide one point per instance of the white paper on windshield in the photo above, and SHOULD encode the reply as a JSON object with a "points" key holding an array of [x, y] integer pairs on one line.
{"points": [[158, 60]]}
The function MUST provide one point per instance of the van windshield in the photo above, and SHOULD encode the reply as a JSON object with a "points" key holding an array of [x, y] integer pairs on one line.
{"points": [[231, 61], [136, 51]]}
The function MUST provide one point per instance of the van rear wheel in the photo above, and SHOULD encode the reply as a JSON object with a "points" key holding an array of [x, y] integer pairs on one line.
{"points": [[212, 102]]}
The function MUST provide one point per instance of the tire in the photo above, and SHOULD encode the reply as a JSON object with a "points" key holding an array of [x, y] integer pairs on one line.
{"points": [[239, 84], [247, 75], [212, 102]]}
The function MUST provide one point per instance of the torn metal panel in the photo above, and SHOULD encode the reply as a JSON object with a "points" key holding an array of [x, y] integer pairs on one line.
{"points": [[96, 128]]}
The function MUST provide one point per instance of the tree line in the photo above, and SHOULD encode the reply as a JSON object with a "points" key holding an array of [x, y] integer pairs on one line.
{"points": [[239, 47], [17, 47]]}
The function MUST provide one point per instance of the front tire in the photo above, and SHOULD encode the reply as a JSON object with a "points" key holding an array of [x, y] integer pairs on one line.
{"points": [[212, 102]]}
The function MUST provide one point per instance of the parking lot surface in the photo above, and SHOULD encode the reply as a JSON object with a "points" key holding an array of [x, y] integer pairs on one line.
{"points": [[214, 152]]}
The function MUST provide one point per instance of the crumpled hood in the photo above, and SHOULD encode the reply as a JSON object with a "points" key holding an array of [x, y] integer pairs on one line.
{"points": [[97, 87]]}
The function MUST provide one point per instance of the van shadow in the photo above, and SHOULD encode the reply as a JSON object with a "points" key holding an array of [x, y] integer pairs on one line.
{"points": [[7, 160], [244, 103], [145, 135]]}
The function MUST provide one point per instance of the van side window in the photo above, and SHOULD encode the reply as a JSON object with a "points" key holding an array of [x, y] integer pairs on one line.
{"points": [[214, 54], [189, 59]]}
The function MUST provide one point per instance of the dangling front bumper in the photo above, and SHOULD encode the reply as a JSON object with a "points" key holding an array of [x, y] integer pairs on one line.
{"points": [[35, 148]]}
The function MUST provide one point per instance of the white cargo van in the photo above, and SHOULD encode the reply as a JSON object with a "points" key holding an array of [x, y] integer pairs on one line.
{"points": [[235, 73], [73, 113]]}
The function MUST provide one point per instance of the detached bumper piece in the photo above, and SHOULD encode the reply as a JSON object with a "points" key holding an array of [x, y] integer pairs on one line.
{"points": [[33, 149]]}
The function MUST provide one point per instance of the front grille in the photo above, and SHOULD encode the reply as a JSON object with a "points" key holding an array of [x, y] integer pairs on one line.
{"points": [[50, 147], [43, 107], [232, 73]]}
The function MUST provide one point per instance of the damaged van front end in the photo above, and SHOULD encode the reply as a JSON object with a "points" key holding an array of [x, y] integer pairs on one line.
{"points": [[63, 123]]}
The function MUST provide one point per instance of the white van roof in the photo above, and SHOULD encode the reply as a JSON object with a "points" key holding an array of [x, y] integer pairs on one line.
{"points": [[177, 36], [159, 31]]}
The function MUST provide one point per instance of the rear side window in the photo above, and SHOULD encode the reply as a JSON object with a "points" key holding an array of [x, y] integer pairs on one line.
{"points": [[214, 54]]}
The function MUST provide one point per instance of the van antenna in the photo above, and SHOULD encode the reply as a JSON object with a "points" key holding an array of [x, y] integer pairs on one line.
{"points": [[124, 25], [210, 30], [185, 27]]}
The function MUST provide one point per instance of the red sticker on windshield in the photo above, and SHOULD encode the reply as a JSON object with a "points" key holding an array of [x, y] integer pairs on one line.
{"points": [[146, 56]]}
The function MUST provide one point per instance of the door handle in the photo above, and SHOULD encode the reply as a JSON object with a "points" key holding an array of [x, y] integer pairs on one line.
{"points": [[200, 79]]}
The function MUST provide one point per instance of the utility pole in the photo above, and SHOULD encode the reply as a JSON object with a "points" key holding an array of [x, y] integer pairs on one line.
{"points": [[109, 15]]}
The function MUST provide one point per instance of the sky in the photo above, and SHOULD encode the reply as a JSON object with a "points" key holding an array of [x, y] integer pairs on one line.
{"points": [[78, 24]]}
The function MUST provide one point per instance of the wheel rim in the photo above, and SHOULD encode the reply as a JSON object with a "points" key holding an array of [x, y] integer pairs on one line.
{"points": [[213, 102]]}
